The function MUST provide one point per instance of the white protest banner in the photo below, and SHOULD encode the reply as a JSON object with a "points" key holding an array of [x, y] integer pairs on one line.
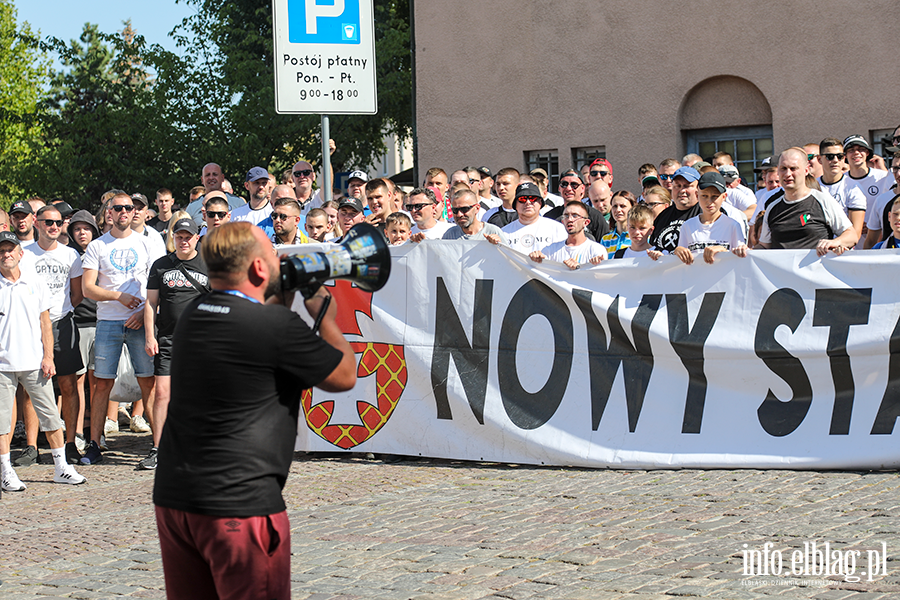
{"points": [[779, 360]]}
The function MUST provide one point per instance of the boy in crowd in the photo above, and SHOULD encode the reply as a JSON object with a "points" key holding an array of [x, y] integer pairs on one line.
{"points": [[576, 249], [893, 241], [318, 227], [712, 231], [397, 228], [640, 226]]}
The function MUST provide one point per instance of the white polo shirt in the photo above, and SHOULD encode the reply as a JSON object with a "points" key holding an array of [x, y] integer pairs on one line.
{"points": [[21, 305]]}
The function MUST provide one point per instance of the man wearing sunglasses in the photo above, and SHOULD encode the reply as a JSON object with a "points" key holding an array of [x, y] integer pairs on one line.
{"points": [[216, 213], [116, 266], [60, 268], [212, 180], [666, 172], [464, 205], [601, 170], [424, 208], [834, 181], [286, 220], [531, 231], [303, 176]]}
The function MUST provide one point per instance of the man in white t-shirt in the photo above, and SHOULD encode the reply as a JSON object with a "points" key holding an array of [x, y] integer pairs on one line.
{"points": [[116, 266], [258, 209], [531, 231], [872, 182], [576, 249], [835, 182], [424, 208], [26, 359], [60, 268], [876, 219]]}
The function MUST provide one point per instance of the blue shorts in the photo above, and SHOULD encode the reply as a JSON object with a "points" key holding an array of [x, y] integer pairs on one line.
{"points": [[110, 337]]}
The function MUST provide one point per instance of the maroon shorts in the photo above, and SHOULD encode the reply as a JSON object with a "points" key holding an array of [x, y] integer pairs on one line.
{"points": [[225, 557]]}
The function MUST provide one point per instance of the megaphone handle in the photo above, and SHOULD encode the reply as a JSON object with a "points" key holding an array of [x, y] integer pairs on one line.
{"points": [[325, 302]]}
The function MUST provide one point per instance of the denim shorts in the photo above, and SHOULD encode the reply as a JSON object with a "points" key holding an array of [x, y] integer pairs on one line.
{"points": [[110, 337]]}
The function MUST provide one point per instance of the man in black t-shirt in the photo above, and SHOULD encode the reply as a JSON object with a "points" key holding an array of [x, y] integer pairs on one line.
{"points": [[229, 438], [174, 281], [667, 226]]}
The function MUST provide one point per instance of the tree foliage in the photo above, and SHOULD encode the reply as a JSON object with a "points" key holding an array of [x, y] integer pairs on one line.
{"points": [[23, 73], [124, 114]]}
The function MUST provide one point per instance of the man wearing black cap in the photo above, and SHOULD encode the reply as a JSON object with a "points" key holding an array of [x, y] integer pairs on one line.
{"points": [[65, 211], [712, 231], [871, 182], [531, 231], [26, 358], [22, 217], [153, 238], [258, 209], [175, 280], [350, 213]]}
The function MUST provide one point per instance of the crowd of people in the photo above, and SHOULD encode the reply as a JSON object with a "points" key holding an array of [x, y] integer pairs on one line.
{"points": [[82, 293]]}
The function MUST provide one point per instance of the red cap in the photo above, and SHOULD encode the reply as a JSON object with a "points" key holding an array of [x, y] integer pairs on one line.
{"points": [[603, 162]]}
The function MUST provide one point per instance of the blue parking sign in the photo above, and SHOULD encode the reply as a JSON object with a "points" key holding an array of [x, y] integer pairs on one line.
{"points": [[323, 21]]}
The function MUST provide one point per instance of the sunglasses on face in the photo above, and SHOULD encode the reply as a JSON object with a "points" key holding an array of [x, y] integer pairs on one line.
{"points": [[811, 156], [599, 173], [303, 173], [415, 207], [461, 210], [664, 177], [834, 156], [528, 200], [121, 207], [49, 222], [565, 184], [280, 216], [216, 214]]}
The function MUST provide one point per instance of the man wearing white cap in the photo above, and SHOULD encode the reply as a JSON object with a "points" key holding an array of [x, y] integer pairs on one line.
{"points": [[356, 184]]}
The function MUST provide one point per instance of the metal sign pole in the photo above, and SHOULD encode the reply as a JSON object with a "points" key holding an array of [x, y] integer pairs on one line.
{"points": [[326, 160]]}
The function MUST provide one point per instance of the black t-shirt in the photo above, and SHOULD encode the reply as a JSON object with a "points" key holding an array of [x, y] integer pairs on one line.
{"points": [[797, 225], [503, 217], [667, 226], [175, 290], [85, 314], [596, 229], [158, 225], [238, 369]]}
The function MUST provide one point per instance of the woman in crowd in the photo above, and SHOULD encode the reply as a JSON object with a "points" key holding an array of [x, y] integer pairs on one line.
{"points": [[622, 201]]}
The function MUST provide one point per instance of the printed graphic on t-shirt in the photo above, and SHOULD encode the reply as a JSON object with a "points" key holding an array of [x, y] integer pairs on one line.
{"points": [[124, 259]]}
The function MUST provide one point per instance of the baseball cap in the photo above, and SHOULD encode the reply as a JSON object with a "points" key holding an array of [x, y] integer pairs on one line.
{"points": [[140, 198], [856, 140], [485, 172], [65, 209], [528, 189], [188, 225], [539, 171], [649, 180], [729, 172], [712, 179], [765, 164], [602, 162], [256, 173], [358, 175], [354, 203], [689, 173], [9, 236], [21, 206]]}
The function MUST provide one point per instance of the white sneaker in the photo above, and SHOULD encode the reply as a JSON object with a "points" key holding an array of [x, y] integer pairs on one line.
{"points": [[68, 475], [110, 426], [139, 425], [80, 443], [11, 482]]}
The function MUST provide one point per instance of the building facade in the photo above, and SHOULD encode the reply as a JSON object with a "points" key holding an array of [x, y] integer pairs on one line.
{"points": [[554, 84]]}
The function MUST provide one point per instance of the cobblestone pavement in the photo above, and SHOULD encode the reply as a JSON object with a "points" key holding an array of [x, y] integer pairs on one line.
{"points": [[452, 530]]}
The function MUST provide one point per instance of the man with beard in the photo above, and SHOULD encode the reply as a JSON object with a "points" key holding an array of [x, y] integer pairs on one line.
{"points": [[222, 522], [464, 204], [257, 184]]}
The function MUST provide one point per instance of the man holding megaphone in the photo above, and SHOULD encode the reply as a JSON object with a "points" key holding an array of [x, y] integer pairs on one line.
{"points": [[229, 438]]}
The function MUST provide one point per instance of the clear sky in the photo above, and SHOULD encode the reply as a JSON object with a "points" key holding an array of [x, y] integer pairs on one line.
{"points": [[153, 19]]}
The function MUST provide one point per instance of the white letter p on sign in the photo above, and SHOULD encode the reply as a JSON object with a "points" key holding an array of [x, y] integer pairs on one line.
{"points": [[313, 11]]}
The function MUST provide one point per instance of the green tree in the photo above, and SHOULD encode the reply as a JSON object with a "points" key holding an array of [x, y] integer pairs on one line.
{"points": [[228, 97], [23, 76], [108, 130]]}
